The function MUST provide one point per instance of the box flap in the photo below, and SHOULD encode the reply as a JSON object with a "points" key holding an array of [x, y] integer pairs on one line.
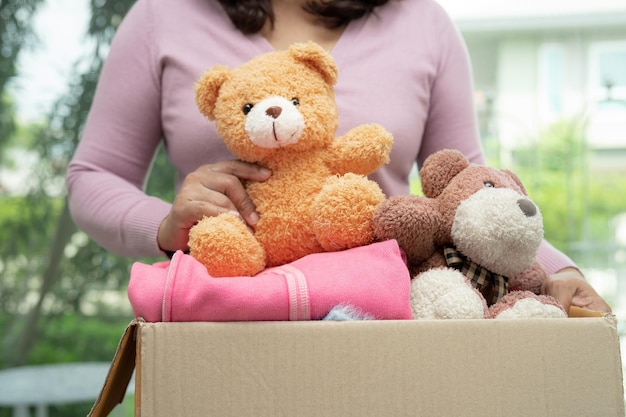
{"points": [[119, 375]]}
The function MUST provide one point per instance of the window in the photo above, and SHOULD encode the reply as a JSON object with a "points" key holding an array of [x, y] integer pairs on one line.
{"points": [[607, 93], [551, 80]]}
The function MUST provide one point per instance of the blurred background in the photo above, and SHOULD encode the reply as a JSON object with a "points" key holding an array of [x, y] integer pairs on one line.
{"points": [[550, 92]]}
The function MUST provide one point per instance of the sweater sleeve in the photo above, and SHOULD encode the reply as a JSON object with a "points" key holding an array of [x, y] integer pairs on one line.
{"points": [[452, 121], [552, 259], [107, 174]]}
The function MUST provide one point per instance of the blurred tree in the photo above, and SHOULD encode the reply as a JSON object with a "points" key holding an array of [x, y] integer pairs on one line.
{"points": [[7, 124], [15, 34], [46, 256]]}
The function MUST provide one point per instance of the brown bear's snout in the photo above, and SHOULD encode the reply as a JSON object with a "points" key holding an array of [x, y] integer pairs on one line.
{"points": [[528, 207], [274, 112]]}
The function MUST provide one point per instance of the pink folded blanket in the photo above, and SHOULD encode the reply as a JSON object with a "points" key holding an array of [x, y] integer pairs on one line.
{"points": [[372, 279]]}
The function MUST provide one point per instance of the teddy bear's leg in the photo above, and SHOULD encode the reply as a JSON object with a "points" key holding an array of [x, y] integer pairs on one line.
{"points": [[445, 294], [525, 304], [343, 212], [225, 246]]}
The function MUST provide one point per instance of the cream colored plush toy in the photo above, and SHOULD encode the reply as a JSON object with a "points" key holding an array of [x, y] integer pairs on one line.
{"points": [[471, 242], [278, 110]]}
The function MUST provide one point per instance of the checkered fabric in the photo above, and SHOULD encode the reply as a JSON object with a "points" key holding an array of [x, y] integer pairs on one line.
{"points": [[481, 278]]}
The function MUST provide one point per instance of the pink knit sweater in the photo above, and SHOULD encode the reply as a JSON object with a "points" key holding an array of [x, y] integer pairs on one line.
{"points": [[405, 67]]}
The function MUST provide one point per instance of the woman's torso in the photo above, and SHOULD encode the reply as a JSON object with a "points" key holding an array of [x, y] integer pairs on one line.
{"points": [[387, 62]]}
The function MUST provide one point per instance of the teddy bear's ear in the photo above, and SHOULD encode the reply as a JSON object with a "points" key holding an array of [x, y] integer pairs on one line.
{"points": [[439, 169], [516, 179], [208, 88], [317, 58]]}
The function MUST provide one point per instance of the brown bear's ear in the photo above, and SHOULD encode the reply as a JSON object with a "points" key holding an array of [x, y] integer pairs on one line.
{"points": [[208, 88], [439, 169], [516, 179], [317, 58]]}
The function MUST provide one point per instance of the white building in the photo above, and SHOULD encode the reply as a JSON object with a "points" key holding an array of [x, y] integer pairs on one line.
{"points": [[538, 62]]}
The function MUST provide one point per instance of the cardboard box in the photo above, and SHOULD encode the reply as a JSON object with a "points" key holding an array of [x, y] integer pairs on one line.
{"points": [[540, 367]]}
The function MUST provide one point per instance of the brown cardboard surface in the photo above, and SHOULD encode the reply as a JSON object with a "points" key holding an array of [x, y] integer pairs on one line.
{"points": [[550, 367], [119, 375]]}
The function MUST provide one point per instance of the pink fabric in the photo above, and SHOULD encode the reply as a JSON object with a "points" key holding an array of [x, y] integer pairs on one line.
{"points": [[373, 279]]}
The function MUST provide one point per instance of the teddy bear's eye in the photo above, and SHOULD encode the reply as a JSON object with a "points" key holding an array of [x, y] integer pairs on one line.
{"points": [[295, 101], [488, 184], [247, 107]]}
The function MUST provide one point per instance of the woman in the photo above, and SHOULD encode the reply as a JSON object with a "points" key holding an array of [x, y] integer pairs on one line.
{"points": [[401, 63]]}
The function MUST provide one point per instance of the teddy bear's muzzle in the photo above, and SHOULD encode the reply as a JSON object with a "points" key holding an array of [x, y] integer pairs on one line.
{"points": [[498, 228], [273, 123]]}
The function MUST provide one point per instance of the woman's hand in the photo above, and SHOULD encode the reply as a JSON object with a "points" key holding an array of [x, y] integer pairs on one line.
{"points": [[569, 287], [208, 191]]}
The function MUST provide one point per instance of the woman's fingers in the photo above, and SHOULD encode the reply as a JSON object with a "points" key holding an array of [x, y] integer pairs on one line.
{"points": [[209, 191]]}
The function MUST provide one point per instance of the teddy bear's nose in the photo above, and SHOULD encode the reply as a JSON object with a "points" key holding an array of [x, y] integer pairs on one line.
{"points": [[528, 207], [274, 111]]}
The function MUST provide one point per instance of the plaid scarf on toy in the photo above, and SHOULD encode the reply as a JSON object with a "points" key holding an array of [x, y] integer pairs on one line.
{"points": [[480, 277]]}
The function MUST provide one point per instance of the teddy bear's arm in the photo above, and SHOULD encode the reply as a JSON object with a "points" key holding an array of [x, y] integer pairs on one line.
{"points": [[412, 221], [362, 150]]}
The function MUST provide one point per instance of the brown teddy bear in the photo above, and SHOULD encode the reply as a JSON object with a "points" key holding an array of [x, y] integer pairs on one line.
{"points": [[278, 110], [471, 242]]}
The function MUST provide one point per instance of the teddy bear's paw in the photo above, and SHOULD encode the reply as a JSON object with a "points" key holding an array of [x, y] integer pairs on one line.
{"points": [[445, 294], [343, 212], [525, 304], [225, 246], [365, 148]]}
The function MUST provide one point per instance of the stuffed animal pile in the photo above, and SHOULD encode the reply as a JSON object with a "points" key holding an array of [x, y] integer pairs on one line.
{"points": [[278, 110], [471, 242]]}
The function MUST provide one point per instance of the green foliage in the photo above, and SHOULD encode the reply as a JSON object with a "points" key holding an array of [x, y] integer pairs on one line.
{"points": [[15, 34], [23, 139], [72, 338], [43, 258], [162, 177], [49, 271], [577, 204], [415, 186], [106, 16], [7, 123], [21, 250], [75, 338]]}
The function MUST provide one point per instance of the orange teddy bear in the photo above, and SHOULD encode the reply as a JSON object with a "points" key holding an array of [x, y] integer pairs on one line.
{"points": [[278, 110]]}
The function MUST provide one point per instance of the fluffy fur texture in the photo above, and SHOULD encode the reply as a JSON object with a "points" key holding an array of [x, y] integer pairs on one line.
{"points": [[346, 313], [485, 215], [445, 294], [278, 110], [520, 304]]}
